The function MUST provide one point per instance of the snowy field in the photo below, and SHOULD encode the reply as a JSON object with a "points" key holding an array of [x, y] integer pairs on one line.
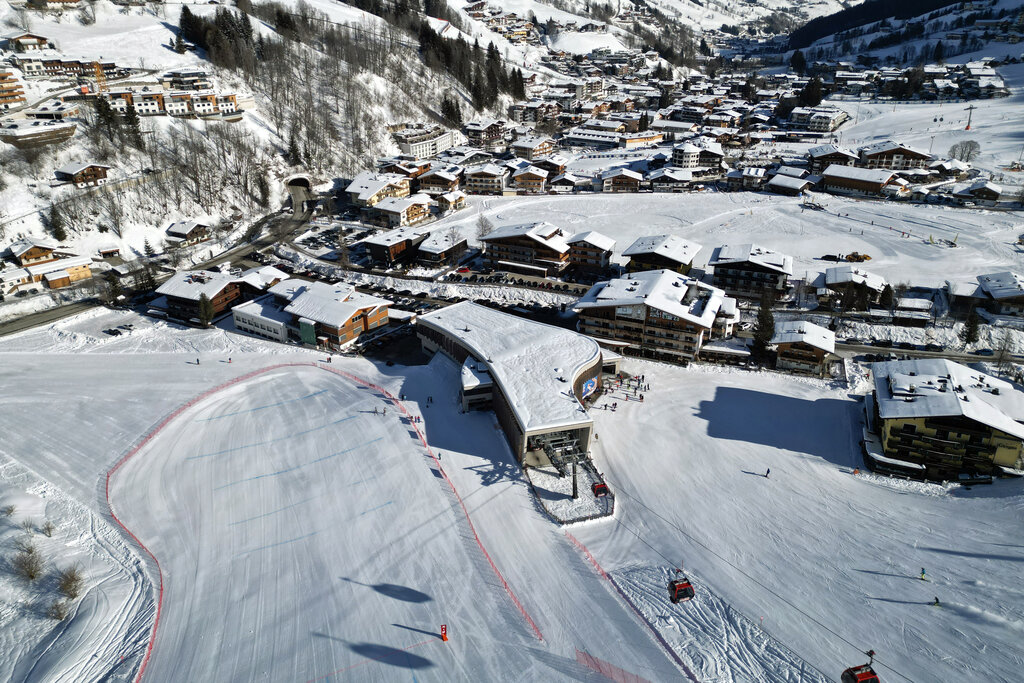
{"points": [[987, 240], [301, 536], [813, 548]]}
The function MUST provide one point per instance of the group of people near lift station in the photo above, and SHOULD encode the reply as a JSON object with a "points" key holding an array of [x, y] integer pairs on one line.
{"points": [[632, 386]]}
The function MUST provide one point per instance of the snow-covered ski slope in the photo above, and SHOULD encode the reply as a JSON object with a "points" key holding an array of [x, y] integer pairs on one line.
{"points": [[829, 559], [302, 537]]}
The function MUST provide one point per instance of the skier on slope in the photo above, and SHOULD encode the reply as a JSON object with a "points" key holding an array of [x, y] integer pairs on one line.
{"points": [[767, 472]]}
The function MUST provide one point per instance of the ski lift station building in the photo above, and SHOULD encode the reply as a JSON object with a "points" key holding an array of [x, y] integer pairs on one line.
{"points": [[534, 376]]}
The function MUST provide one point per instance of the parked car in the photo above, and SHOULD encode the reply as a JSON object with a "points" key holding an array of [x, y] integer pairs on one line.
{"points": [[854, 340], [934, 347], [906, 346], [884, 343], [984, 352]]}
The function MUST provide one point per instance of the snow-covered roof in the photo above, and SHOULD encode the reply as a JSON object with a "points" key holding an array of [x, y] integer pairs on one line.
{"points": [[910, 303], [670, 246], [332, 305], [593, 238], [867, 175], [77, 167], [1004, 285], [887, 146], [183, 228], [671, 173], [264, 307], [440, 241], [789, 182], [25, 243], [389, 238], [487, 169], [262, 277], [751, 253], [367, 184], [794, 331], [826, 150], [531, 170], [840, 275], [624, 172], [531, 142], [664, 290], [400, 204], [533, 364], [37, 269], [192, 284], [481, 125], [545, 233], [936, 387], [791, 171]]}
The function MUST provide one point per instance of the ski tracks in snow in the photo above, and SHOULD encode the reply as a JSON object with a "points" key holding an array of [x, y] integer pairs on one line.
{"points": [[715, 640]]}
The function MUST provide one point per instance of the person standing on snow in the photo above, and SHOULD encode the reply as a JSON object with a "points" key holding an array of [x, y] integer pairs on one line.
{"points": [[767, 472]]}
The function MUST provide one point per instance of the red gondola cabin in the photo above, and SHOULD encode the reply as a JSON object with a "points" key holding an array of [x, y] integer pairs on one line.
{"points": [[681, 590], [860, 674], [600, 489]]}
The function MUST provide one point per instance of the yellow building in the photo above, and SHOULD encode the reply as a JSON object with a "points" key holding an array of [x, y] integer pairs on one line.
{"points": [[947, 418]]}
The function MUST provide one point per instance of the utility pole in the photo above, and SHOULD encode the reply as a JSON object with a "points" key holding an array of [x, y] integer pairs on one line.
{"points": [[575, 489], [970, 114]]}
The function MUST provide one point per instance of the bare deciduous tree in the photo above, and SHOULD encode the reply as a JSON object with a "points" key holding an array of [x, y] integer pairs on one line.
{"points": [[965, 150]]}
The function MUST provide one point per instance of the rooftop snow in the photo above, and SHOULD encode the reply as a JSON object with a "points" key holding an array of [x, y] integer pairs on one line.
{"points": [[936, 387], [794, 331], [192, 284], [751, 253], [664, 290], [825, 150], [77, 167], [26, 243], [545, 233], [670, 246], [534, 364], [1004, 285], [849, 273], [593, 238], [332, 305], [867, 175]]}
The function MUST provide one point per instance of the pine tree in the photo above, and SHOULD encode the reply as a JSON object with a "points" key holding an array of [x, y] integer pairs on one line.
{"points": [[263, 188], [179, 44], [134, 132], [206, 310], [798, 62], [55, 224], [148, 249], [886, 298], [764, 328], [294, 154], [969, 334]]}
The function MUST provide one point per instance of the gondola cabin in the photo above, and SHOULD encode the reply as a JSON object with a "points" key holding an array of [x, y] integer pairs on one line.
{"points": [[860, 674], [600, 489], [681, 590]]}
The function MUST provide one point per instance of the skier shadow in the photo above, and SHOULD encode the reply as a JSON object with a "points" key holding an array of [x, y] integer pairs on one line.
{"points": [[394, 591], [902, 602], [896, 576], [384, 654], [983, 556]]}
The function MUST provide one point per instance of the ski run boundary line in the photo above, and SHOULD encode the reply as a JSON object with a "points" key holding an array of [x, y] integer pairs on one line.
{"points": [[149, 436], [622, 594]]}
